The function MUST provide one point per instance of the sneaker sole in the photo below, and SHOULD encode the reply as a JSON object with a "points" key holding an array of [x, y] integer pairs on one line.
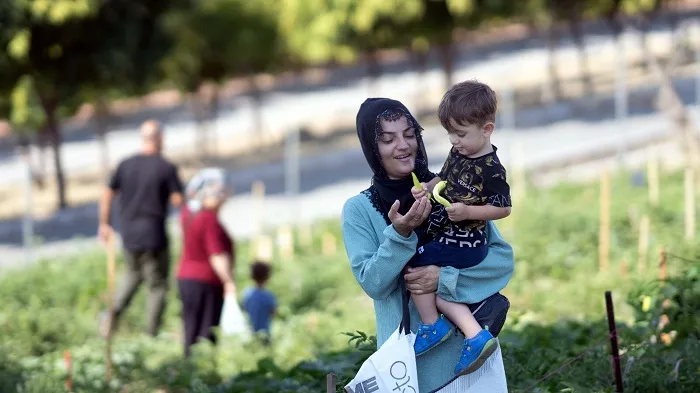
{"points": [[447, 337], [489, 349]]}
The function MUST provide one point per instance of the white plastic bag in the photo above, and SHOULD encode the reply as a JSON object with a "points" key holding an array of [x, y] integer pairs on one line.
{"points": [[389, 370], [489, 378], [233, 321]]}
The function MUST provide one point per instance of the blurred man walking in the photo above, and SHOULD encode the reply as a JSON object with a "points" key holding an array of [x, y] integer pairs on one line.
{"points": [[145, 183]]}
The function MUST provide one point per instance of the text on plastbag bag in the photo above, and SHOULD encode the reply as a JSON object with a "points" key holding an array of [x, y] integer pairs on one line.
{"points": [[399, 372], [367, 386]]}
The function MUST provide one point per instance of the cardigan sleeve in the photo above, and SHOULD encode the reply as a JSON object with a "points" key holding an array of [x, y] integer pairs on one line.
{"points": [[376, 266], [479, 282]]}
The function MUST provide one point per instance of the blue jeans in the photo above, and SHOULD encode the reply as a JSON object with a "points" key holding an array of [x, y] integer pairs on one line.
{"points": [[490, 312], [439, 254]]}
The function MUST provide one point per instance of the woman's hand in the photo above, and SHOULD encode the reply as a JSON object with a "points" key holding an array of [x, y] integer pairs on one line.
{"points": [[230, 289], [405, 224], [423, 279]]}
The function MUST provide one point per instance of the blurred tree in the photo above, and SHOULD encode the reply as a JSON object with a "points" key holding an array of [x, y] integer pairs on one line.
{"points": [[374, 25], [131, 43], [572, 13], [43, 36], [436, 25], [217, 39], [435, 28], [63, 48], [312, 33]]}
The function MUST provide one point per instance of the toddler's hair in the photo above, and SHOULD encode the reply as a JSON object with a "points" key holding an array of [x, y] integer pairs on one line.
{"points": [[260, 272], [468, 102]]}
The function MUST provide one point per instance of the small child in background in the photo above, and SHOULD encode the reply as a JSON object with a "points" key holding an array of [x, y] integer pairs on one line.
{"points": [[258, 302]]}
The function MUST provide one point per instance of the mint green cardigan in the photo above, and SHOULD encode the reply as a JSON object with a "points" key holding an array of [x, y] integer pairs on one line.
{"points": [[377, 256]]}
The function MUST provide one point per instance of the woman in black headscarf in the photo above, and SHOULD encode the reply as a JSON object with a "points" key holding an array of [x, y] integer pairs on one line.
{"points": [[381, 228]]}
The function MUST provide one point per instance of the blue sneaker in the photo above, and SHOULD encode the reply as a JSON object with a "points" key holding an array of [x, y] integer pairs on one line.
{"points": [[475, 352], [430, 336]]}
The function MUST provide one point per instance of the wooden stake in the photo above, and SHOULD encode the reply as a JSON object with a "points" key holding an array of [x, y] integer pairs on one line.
{"points": [[689, 204], [111, 273], [258, 195], [305, 235], [68, 363], [615, 352], [263, 249], [653, 177], [624, 268], [285, 242], [643, 244], [331, 382], [663, 273], [604, 234]]}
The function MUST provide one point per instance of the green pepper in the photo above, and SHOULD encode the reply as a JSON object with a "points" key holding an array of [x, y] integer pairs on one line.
{"points": [[438, 197]]}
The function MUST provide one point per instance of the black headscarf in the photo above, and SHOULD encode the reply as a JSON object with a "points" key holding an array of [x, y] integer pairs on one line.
{"points": [[385, 191]]}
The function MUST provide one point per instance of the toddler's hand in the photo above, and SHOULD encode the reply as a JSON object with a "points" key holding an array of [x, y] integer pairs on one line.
{"points": [[457, 212]]}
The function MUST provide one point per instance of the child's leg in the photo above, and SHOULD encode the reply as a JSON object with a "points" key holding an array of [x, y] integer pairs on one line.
{"points": [[460, 315], [479, 344], [433, 329], [427, 309]]}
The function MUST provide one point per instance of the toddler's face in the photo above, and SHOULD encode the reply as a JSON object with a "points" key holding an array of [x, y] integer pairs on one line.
{"points": [[470, 139]]}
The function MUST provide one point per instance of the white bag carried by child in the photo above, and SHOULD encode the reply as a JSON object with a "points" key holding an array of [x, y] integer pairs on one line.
{"points": [[392, 368], [233, 321]]}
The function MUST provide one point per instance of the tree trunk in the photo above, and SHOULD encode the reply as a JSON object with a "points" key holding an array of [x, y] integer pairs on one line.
{"points": [[579, 40], [646, 52], [374, 70], [201, 129], [554, 89], [53, 133], [647, 19], [101, 122], [213, 115], [420, 64], [41, 142], [256, 95], [446, 54]]}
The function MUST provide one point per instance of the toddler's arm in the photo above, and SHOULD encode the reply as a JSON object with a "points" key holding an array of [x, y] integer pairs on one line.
{"points": [[497, 191], [484, 212]]}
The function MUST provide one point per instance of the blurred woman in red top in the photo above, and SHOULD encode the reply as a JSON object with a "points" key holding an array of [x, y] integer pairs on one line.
{"points": [[205, 272]]}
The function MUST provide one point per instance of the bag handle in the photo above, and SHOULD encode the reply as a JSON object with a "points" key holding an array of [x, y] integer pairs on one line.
{"points": [[406, 317]]}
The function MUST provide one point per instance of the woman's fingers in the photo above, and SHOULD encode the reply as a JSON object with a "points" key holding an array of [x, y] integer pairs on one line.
{"points": [[415, 213], [394, 211]]}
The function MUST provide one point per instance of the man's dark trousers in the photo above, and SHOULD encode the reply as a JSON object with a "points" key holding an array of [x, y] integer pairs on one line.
{"points": [[152, 266]]}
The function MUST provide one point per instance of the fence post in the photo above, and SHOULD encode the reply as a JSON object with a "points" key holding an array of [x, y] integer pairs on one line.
{"points": [[613, 341], [68, 363], [662, 263], [331, 382]]}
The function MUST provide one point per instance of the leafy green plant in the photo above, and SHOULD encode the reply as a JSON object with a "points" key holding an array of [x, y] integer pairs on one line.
{"points": [[325, 321]]}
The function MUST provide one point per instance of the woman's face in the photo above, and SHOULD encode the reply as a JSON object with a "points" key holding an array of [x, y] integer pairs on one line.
{"points": [[216, 200], [397, 147]]}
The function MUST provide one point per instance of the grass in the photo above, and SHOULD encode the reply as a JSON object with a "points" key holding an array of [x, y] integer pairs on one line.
{"points": [[557, 310]]}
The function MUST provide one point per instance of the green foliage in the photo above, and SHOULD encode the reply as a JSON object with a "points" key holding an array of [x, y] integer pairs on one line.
{"points": [[27, 114], [557, 312], [220, 38]]}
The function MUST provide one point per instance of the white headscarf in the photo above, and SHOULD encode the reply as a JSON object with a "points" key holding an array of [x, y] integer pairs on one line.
{"points": [[208, 182]]}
